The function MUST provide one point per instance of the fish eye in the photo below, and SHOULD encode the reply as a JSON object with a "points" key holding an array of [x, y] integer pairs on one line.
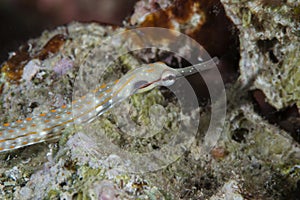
{"points": [[168, 78]]}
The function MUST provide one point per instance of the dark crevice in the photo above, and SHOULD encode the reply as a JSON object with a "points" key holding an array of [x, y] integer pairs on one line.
{"points": [[239, 135], [287, 118], [272, 57], [267, 47]]}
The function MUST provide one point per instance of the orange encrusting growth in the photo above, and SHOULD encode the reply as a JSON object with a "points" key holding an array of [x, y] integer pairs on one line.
{"points": [[13, 67]]}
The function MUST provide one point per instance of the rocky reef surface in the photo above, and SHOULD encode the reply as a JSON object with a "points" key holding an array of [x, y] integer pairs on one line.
{"points": [[257, 154]]}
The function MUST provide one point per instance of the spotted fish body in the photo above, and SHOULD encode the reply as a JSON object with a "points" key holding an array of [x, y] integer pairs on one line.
{"points": [[46, 126], [49, 125]]}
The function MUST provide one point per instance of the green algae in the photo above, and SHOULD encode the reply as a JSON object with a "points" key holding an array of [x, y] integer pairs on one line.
{"points": [[290, 90], [52, 194]]}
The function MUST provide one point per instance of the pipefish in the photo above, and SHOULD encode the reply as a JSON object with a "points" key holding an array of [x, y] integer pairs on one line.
{"points": [[49, 125]]}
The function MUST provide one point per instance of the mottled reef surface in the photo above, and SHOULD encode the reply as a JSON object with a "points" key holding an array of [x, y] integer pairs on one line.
{"points": [[257, 154]]}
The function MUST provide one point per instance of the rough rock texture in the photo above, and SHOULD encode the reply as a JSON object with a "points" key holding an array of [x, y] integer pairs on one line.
{"points": [[255, 158], [269, 38]]}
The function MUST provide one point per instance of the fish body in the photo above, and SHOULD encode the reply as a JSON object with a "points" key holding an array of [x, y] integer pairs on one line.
{"points": [[49, 125]]}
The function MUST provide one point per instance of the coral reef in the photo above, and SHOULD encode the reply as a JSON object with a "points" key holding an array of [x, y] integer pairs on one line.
{"points": [[256, 157]]}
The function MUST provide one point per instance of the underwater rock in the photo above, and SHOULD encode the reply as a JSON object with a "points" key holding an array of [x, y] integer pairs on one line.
{"points": [[255, 157]]}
